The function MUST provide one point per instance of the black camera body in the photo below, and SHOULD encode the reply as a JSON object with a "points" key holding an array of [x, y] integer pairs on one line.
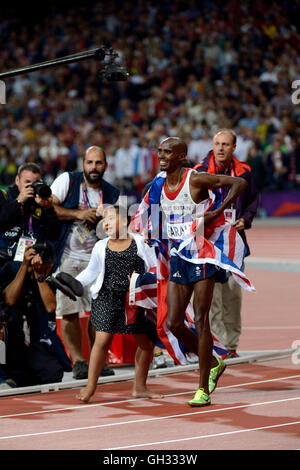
{"points": [[115, 73], [41, 189], [46, 251]]}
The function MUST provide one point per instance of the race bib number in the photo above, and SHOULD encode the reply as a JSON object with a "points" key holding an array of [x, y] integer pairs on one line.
{"points": [[175, 231]]}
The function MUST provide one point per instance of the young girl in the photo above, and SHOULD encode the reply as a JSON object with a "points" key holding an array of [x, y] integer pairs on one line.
{"points": [[112, 262]]}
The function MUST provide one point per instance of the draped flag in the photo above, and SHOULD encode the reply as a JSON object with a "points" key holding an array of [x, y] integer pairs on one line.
{"points": [[144, 292], [218, 243], [221, 244]]}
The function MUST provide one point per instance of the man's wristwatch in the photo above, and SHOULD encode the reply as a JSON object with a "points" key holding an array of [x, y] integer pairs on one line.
{"points": [[19, 202], [40, 278]]}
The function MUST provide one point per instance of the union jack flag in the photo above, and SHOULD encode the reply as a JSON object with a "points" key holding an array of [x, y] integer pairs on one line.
{"points": [[220, 245], [143, 292]]}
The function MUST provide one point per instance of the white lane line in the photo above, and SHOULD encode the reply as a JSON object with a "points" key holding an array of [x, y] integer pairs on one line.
{"points": [[129, 400], [205, 436], [147, 420]]}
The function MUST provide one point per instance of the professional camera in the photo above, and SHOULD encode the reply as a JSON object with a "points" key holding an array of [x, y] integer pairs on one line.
{"points": [[116, 73], [41, 189], [112, 72], [46, 251]]}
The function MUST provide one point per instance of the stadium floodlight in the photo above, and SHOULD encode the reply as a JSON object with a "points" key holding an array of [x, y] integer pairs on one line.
{"points": [[110, 70]]}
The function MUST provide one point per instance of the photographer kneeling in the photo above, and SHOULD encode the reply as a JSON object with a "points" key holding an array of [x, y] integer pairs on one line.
{"points": [[26, 214], [34, 352]]}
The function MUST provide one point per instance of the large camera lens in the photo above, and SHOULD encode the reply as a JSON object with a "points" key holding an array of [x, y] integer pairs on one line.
{"points": [[42, 189]]}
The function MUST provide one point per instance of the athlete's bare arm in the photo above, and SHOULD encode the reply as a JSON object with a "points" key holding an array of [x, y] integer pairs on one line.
{"points": [[201, 182]]}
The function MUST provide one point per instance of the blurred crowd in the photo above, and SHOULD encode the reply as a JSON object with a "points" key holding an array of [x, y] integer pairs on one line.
{"points": [[193, 67]]}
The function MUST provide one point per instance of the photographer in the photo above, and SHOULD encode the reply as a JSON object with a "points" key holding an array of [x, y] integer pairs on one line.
{"points": [[79, 198], [34, 352], [26, 213]]}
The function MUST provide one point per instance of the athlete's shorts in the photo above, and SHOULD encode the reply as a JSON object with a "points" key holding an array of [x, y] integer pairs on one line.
{"points": [[185, 272]]}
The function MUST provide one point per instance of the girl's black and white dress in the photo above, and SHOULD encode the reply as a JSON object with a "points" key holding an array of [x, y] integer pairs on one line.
{"points": [[112, 269], [108, 310]]}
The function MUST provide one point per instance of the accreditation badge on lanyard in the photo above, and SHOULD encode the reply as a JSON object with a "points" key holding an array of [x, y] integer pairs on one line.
{"points": [[230, 213], [25, 241]]}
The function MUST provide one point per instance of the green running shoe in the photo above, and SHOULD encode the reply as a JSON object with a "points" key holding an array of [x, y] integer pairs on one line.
{"points": [[200, 398], [215, 374]]}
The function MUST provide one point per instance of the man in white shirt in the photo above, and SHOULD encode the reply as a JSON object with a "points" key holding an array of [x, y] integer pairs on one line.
{"points": [[78, 200]]}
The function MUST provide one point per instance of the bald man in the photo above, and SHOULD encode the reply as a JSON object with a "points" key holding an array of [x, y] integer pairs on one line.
{"points": [[78, 199], [184, 195]]}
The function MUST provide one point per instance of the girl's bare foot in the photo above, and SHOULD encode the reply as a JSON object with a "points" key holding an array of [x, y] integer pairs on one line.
{"points": [[145, 393], [85, 394]]}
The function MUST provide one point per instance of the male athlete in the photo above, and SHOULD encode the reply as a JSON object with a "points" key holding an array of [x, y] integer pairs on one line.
{"points": [[185, 193]]}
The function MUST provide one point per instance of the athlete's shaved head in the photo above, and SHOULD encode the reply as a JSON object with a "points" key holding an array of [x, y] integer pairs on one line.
{"points": [[171, 152], [178, 145]]}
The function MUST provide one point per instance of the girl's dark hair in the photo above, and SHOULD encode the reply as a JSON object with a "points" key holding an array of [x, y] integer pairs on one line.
{"points": [[121, 210]]}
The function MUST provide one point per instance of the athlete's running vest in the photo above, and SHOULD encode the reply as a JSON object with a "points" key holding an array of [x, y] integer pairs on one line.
{"points": [[179, 209]]}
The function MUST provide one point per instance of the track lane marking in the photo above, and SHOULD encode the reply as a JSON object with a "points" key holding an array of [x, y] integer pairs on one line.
{"points": [[128, 400], [139, 421], [220, 434]]}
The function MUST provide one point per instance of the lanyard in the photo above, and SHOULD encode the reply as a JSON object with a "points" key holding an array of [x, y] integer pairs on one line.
{"points": [[85, 198], [30, 227], [222, 173], [232, 173]]}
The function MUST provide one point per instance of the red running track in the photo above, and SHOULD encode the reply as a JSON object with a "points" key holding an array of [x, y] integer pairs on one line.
{"points": [[255, 406], [275, 241]]}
